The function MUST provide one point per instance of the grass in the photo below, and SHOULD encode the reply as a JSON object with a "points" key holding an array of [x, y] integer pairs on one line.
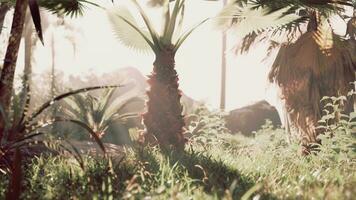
{"points": [[227, 167], [215, 165]]}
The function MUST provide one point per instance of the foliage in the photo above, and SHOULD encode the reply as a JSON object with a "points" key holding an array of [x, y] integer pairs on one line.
{"points": [[205, 126], [231, 167], [99, 113], [222, 167], [339, 129], [283, 21], [130, 34], [21, 132], [312, 60]]}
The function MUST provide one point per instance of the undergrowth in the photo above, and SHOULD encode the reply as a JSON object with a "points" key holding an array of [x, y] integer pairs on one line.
{"points": [[213, 166]]}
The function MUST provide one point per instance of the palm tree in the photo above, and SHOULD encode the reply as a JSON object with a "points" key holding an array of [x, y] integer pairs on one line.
{"points": [[223, 69], [26, 79], [99, 113], [312, 61], [163, 119], [8, 70]]}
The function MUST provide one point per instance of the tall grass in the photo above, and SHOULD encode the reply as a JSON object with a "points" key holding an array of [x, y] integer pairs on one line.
{"points": [[213, 166]]}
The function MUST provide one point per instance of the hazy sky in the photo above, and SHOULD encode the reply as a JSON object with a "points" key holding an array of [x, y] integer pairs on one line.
{"points": [[198, 60]]}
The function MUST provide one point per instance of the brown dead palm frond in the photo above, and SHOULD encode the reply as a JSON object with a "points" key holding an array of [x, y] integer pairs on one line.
{"points": [[351, 27], [318, 64]]}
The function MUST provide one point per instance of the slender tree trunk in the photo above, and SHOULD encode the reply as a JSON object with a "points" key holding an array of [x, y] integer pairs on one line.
{"points": [[53, 80], [9, 66], [26, 79], [4, 8], [164, 119], [223, 70], [27, 73], [29, 42], [287, 125]]}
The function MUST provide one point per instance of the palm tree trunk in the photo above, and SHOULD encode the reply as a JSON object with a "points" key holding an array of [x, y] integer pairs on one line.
{"points": [[29, 42], [9, 66], [26, 80], [4, 8], [53, 80], [223, 70], [164, 119]]}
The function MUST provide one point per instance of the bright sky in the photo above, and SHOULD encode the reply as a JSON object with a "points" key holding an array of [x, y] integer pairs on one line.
{"points": [[198, 61]]}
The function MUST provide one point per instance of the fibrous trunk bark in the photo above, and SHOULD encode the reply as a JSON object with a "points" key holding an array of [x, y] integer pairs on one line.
{"points": [[9, 66], [164, 119]]}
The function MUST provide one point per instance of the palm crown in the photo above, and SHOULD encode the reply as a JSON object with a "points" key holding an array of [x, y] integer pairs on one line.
{"points": [[276, 21], [130, 34]]}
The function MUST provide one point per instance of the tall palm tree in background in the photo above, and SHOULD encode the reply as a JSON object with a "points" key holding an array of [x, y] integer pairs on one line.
{"points": [[29, 43], [7, 73], [53, 78], [312, 61], [223, 69], [163, 119]]}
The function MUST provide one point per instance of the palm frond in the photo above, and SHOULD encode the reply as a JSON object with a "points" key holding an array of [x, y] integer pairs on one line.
{"points": [[104, 102], [152, 31], [245, 19], [92, 133], [313, 4], [76, 107], [351, 28], [180, 22], [169, 30], [118, 105], [36, 17], [127, 30], [97, 113], [64, 95], [166, 15], [72, 8]]}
